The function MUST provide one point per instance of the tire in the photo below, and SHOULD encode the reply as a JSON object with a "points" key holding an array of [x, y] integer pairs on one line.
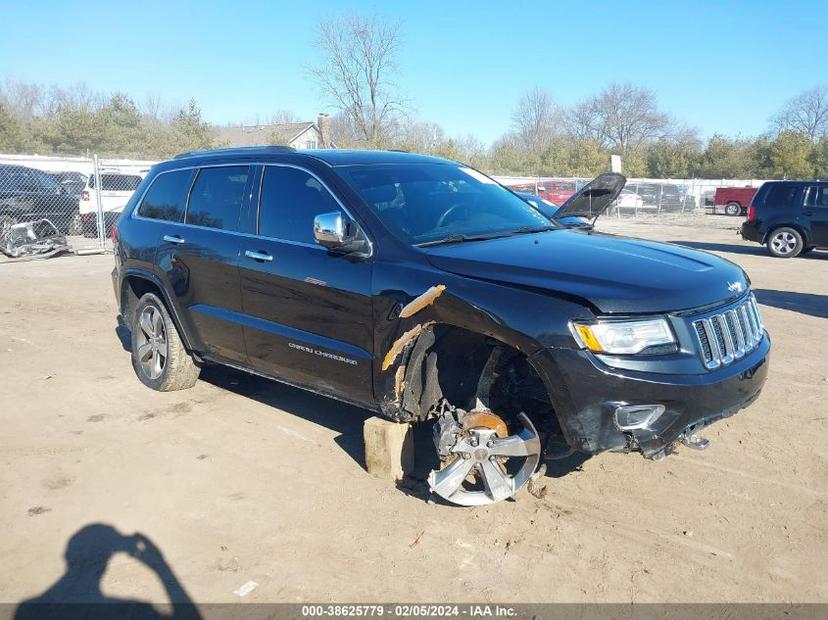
{"points": [[785, 242], [153, 332], [733, 209]]}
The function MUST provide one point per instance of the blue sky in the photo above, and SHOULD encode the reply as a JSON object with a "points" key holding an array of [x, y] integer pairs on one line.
{"points": [[718, 66]]}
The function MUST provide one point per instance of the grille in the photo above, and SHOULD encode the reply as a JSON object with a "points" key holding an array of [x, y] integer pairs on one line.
{"points": [[730, 334]]}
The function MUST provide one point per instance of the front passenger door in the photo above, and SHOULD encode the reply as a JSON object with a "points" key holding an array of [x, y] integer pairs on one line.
{"points": [[309, 310]]}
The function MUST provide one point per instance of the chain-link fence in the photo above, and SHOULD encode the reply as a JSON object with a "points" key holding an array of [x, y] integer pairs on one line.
{"points": [[640, 196], [50, 205]]}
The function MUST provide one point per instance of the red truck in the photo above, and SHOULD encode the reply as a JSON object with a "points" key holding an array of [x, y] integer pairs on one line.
{"points": [[733, 200]]}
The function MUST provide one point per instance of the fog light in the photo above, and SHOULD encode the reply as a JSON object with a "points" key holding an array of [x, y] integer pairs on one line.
{"points": [[631, 417]]}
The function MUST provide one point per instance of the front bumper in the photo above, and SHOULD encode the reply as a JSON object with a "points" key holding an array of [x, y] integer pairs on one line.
{"points": [[586, 392]]}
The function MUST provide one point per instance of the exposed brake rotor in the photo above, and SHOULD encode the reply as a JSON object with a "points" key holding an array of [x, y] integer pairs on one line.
{"points": [[485, 419], [481, 452]]}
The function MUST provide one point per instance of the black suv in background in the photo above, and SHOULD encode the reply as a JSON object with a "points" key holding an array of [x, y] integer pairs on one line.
{"points": [[423, 290], [789, 217]]}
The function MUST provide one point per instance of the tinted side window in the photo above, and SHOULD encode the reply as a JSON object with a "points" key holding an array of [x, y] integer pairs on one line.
{"points": [[167, 196], [217, 197], [290, 200], [781, 195]]}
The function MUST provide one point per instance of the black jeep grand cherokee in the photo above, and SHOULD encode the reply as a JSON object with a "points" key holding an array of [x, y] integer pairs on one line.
{"points": [[421, 289]]}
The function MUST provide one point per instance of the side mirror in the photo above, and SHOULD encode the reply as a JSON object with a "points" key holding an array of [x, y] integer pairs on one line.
{"points": [[336, 232], [329, 230]]}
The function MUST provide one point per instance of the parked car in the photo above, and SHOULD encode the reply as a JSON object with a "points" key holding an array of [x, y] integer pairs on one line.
{"points": [[662, 197], [72, 182], [789, 217], [732, 200], [628, 200], [554, 191], [27, 194], [422, 290], [116, 189]]}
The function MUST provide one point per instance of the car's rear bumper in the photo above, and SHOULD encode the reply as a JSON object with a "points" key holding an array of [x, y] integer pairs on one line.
{"points": [[750, 231], [586, 394]]}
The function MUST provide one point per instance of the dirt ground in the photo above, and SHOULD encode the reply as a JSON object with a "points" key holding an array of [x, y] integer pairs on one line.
{"points": [[243, 480]]}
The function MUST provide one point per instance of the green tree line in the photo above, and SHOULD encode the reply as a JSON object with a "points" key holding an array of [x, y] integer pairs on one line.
{"points": [[545, 139], [75, 121]]}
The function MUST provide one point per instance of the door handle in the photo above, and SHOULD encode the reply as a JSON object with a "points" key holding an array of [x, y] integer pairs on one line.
{"points": [[173, 239], [263, 256]]}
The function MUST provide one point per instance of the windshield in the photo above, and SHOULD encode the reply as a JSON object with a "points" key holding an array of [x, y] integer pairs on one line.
{"points": [[425, 202]]}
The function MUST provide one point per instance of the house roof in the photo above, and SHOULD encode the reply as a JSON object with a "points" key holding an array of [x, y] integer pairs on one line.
{"points": [[255, 135]]}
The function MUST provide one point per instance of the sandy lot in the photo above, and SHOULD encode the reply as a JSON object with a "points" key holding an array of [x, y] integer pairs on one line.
{"points": [[240, 479]]}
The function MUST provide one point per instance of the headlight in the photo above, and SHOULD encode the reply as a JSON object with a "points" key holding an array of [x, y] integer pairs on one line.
{"points": [[623, 337]]}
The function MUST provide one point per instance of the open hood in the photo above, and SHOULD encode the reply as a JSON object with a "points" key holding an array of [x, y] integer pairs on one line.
{"points": [[593, 198]]}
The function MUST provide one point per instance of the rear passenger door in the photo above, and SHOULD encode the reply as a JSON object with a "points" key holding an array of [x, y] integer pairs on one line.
{"points": [[198, 251], [309, 310], [816, 208]]}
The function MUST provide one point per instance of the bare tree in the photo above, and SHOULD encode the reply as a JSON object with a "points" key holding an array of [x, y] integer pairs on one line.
{"points": [[806, 113], [282, 117], [536, 119], [359, 56], [622, 118]]}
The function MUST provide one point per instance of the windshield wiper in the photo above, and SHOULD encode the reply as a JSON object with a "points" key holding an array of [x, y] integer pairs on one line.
{"points": [[462, 239], [532, 229]]}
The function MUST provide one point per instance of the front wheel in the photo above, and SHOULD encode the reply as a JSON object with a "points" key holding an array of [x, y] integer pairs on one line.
{"points": [[785, 242], [733, 208], [482, 462], [158, 354]]}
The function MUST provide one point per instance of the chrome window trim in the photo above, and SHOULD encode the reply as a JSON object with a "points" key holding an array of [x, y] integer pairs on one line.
{"points": [[135, 215]]}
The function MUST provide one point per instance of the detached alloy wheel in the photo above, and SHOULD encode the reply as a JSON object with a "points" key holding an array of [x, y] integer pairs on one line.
{"points": [[158, 354], [785, 242], [733, 208], [487, 465]]}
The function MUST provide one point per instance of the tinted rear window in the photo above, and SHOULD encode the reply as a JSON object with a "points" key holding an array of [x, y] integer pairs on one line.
{"points": [[117, 182], [217, 197], [781, 195], [167, 196]]}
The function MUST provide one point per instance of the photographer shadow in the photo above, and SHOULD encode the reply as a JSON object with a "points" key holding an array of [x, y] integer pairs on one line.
{"points": [[77, 594]]}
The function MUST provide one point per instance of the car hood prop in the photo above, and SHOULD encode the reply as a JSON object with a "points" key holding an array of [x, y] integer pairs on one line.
{"points": [[593, 198]]}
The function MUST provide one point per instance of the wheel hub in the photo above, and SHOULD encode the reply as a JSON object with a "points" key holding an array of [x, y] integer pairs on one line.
{"points": [[481, 454]]}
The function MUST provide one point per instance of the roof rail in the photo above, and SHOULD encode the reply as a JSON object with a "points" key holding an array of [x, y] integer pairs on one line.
{"points": [[276, 148]]}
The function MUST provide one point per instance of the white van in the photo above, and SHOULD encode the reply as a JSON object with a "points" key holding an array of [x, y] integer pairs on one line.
{"points": [[117, 187]]}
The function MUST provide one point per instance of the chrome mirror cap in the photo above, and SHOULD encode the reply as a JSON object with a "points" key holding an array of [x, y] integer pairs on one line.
{"points": [[329, 229]]}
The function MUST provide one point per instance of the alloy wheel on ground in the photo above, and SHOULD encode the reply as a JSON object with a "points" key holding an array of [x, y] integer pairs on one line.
{"points": [[486, 467]]}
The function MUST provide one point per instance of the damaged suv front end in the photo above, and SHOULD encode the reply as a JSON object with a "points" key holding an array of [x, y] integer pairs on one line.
{"points": [[635, 346], [647, 392]]}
